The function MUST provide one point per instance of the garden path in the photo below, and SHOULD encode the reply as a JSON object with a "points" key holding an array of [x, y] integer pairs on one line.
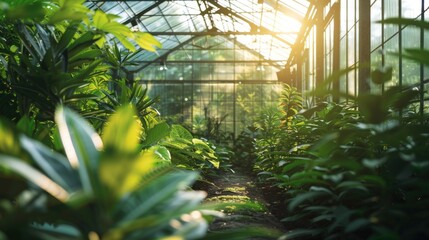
{"points": [[239, 187]]}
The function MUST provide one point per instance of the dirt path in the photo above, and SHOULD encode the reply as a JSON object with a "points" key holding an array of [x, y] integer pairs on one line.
{"points": [[237, 187]]}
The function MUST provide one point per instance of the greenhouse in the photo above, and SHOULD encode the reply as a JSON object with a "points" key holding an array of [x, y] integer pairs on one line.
{"points": [[214, 119]]}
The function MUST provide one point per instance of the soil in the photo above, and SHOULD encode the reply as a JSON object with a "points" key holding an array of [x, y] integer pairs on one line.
{"points": [[240, 187]]}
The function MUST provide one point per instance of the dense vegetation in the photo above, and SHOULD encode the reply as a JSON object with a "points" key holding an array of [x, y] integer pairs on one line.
{"points": [[351, 170], [84, 155]]}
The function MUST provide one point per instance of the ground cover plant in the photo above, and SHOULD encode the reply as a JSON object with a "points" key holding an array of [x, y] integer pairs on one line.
{"points": [[355, 170]]}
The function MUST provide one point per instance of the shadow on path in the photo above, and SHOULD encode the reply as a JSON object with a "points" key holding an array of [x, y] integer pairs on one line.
{"points": [[238, 187]]}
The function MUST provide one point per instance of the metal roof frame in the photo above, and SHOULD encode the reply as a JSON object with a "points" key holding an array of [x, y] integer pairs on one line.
{"points": [[183, 21]]}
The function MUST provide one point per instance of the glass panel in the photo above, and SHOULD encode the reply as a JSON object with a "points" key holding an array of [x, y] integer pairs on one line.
{"points": [[376, 28], [391, 10], [411, 8], [391, 46], [410, 69]]}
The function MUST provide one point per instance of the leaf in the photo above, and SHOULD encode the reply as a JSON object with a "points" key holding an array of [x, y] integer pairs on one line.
{"points": [[122, 131], [84, 74], [356, 225], [372, 108], [162, 154], [294, 164], [155, 134], [166, 186], [30, 42], [88, 54], [100, 19], [34, 176], [69, 10], [147, 41], [304, 197], [23, 10], [9, 142], [178, 131], [215, 163], [352, 185], [373, 163], [382, 75], [82, 145], [117, 29], [121, 172], [321, 189], [66, 38], [406, 21], [372, 179], [85, 41], [26, 125], [417, 54], [127, 43], [53, 164]]}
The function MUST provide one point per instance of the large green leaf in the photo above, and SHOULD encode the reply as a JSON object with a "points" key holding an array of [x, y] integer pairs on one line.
{"points": [[69, 10], [34, 176], [82, 145], [122, 131], [178, 131], [155, 134], [121, 172], [163, 188], [122, 165], [53, 164], [147, 41]]}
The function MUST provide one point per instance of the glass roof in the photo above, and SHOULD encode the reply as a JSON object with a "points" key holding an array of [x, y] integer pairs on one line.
{"points": [[266, 27]]}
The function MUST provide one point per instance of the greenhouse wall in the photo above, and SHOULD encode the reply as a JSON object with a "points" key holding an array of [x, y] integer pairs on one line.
{"points": [[385, 40], [213, 80]]}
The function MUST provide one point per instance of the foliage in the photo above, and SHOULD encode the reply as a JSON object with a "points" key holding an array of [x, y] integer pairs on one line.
{"points": [[121, 185], [355, 171], [103, 187], [189, 152], [290, 102], [53, 58], [135, 95], [244, 154]]}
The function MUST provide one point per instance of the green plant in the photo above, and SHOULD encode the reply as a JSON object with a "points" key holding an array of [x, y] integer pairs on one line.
{"points": [[103, 187], [53, 57], [290, 102], [124, 95], [189, 152], [355, 170]]}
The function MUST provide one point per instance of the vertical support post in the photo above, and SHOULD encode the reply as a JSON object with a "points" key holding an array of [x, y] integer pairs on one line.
{"points": [[422, 69], [299, 73], [320, 44], [364, 45], [336, 53]]}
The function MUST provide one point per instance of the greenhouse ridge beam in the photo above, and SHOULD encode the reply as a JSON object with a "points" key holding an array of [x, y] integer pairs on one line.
{"points": [[251, 24], [288, 11], [164, 56], [140, 14], [213, 33]]}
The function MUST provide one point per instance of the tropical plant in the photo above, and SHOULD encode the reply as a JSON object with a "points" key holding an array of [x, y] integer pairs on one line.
{"points": [[103, 188], [53, 57], [189, 152], [135, 95]]}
